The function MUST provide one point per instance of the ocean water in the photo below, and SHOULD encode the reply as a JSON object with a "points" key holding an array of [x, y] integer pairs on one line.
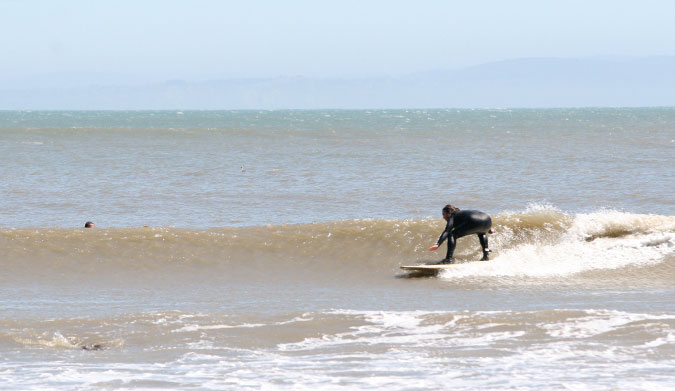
{"points": [[261, 250]]}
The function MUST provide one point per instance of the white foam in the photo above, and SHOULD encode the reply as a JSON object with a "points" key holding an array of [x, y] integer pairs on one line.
{"points": [[591, 224], [383, 327], [401, 329], [201, 327], [597, 322], [197, 327], [641, 240], [667, 340], [57, 340], [391, 350]]}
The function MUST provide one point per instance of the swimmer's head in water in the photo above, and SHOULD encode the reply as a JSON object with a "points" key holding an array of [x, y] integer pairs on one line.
{"points": [[88, 224]]}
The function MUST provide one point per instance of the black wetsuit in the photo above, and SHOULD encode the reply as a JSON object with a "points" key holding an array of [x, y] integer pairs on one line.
{"points": [[462, 223]]}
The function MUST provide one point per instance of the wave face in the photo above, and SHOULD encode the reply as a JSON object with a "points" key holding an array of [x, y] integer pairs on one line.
{"points": [[540, 242]]}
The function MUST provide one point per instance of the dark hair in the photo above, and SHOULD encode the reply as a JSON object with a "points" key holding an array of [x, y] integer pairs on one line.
{"points": [[450, 209], [88, 224]]}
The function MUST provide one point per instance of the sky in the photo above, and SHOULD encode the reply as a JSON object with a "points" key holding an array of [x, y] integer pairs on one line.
{"points": [[203, 40]]}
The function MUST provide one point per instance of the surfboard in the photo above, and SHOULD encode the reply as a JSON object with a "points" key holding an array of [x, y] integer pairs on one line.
{"points": [[427, 268]]}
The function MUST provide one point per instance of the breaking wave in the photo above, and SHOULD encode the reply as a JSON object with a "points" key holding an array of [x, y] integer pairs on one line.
{"points": [[539, 242]]}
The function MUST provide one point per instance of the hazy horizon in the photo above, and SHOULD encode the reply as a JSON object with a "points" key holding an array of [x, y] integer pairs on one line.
{"points": [[84, 78], [69, 46]]}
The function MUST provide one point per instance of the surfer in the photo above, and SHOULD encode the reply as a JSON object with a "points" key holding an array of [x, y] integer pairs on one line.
{"points": [[461, 223], [88, 224]]}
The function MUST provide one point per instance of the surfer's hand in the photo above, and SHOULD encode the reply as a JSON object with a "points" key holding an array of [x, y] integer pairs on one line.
{"points": [[433, 248]]}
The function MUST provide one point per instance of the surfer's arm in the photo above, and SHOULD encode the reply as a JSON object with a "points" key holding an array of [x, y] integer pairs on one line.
{"points": [[440, 240], [448, 229], [443, 236]]}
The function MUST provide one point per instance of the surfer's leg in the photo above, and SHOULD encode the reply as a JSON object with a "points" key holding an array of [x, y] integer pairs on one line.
{"points": [[452, 242], [484, 244]]}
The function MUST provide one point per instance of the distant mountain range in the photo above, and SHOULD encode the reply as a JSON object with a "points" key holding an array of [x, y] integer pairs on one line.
{"points": [[530, 82]]}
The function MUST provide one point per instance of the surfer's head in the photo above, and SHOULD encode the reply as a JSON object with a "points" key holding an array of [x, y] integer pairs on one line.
{"points": [[448, 210], [88, 224]]}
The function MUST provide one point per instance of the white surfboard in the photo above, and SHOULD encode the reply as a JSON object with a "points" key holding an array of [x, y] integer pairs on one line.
{"points": [[427, 268]]}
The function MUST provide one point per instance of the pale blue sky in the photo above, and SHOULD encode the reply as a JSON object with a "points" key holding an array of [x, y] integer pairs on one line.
{"points": [[201, 39]]}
